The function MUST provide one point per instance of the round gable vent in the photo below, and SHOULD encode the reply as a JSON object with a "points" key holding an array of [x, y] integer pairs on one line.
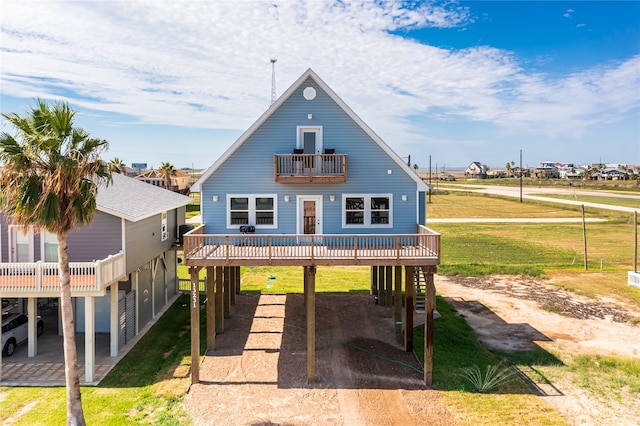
{"points": [[309, 93]]}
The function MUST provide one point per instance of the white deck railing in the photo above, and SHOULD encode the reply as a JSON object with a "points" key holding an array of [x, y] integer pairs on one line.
{"points": [[43, 276]]}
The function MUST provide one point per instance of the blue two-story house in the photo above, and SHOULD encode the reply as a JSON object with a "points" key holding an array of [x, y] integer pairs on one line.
{"points": [[311, 184]]}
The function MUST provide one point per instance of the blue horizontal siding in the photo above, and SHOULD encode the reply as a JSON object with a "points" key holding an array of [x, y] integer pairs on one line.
{"points": [[250, 169]]}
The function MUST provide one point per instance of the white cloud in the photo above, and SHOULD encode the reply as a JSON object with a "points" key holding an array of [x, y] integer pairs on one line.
{"points": [[206, 64]]}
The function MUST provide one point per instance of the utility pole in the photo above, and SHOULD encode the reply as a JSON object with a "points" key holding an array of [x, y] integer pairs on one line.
{"points": [[273, 80], [430, 179], [520, 175]]}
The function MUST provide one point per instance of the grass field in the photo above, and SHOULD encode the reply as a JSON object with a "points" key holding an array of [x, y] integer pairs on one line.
{"points": [[615, 201], [553, 250]]}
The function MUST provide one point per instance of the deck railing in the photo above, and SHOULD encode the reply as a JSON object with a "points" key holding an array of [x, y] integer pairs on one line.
{"points": [[327, 249], [310, 167], [34, 277]]}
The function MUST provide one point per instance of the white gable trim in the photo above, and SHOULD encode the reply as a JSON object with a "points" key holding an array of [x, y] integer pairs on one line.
{"points": [[421, 186]]}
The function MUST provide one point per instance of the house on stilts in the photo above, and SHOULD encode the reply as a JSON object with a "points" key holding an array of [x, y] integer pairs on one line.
{"points": [[310, 184]]}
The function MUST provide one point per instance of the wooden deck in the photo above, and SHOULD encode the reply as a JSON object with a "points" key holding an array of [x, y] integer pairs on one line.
{"points": [[420, 249], [40, 279]]}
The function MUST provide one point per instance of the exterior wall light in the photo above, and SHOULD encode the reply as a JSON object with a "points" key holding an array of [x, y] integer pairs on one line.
{"points": [[286, 198], [332, 198], [404, 197], [215, 198], [309, 116]]}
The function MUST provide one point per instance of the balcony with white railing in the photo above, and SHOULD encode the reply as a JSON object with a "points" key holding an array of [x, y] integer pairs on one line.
{"points": [[41, 279], [310, 168], [421, 249]]}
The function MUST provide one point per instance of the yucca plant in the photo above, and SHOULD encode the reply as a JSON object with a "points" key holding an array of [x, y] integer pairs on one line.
{"points": [[493, 377]]}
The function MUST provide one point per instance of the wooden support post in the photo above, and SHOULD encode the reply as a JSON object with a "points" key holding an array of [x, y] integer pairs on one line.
{"points": [[232, 285], [305, 286], [389, 288], [238, 279], [409, 305], [429, 306], [227, 292], [311, 323], [397, 299], [211, 308], [219, 299], [381, 286], [195, 325], [374, 280]]}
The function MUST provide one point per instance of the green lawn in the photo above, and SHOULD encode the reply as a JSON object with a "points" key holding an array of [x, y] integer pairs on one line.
{"points": [[615, 201]]}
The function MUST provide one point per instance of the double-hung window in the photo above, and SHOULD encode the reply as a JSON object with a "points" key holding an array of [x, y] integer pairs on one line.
{"points": [[367, 211], [257, 210]]}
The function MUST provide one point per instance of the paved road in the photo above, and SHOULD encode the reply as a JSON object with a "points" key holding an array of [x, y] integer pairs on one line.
{"points": [[538, 194]]}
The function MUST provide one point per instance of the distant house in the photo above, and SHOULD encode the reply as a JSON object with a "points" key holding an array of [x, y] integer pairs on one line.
{"points": [[546, 170], [476, 170], [310, 184], [123, 266], [179, 182], [613, 174]]}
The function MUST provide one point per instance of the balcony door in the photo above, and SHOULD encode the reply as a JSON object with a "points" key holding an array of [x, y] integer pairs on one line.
{"points": [[309, 214], [309, 139], [20, 245]]}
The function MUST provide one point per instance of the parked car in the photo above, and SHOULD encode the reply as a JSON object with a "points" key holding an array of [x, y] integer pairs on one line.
{"points": [[14, 331]]}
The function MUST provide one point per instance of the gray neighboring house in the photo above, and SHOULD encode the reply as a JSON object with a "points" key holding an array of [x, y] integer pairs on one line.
{"points": [[123, 265]]}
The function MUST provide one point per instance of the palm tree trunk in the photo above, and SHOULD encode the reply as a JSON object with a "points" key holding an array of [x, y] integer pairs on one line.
{"points": [[75, 415]]}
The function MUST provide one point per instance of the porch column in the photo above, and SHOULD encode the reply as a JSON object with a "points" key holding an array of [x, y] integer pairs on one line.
{"points": [[305, 286], [195, 324], [310, 297], [397, 299], [211, 308], [389, 288], [134, 287], [374, 280], [238, 279], [232, 285], [429, 306], [89, 338], [113, 320], [32, 324], [219, 299], [409, 306], [381, 286], [227, 292]]}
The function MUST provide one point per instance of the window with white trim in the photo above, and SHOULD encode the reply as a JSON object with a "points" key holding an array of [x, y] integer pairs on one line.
{"points": [[257, 210], [367, 211], [164, 228], [49, 247]]}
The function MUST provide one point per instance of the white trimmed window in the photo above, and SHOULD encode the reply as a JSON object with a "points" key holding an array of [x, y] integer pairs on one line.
{"points": [[164, 229], [367, 211], [49, 247], [257, 210]]}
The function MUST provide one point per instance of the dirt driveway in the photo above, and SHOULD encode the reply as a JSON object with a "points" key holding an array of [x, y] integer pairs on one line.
{"points": [[257, 376]]}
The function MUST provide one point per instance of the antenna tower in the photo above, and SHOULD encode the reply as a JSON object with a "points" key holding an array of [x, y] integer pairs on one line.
{"points": [[273, 80]]}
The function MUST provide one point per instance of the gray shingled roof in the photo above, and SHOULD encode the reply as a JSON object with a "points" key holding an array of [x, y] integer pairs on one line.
{"points": [[134, 200]]}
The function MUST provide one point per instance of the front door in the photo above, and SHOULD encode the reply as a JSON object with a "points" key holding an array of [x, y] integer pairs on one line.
{"points": [[309, 214]]}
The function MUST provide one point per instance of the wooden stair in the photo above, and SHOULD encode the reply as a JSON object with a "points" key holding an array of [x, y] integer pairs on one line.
{"points": [[420, 280]]}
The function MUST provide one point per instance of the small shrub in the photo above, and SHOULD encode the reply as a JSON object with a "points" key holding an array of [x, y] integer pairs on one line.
{"points": [[494, 376]]}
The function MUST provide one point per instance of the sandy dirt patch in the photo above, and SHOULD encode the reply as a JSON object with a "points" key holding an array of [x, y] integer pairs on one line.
{"points": [[515, 313]]}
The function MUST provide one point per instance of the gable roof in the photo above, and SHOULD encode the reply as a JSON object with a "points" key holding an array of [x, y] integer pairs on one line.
{"points": [[134, 200], [196, 187]]}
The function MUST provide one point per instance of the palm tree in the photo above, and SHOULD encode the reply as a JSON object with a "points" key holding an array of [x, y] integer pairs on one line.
{"points": [[50, 175], [166, 171], [116, 165]]}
